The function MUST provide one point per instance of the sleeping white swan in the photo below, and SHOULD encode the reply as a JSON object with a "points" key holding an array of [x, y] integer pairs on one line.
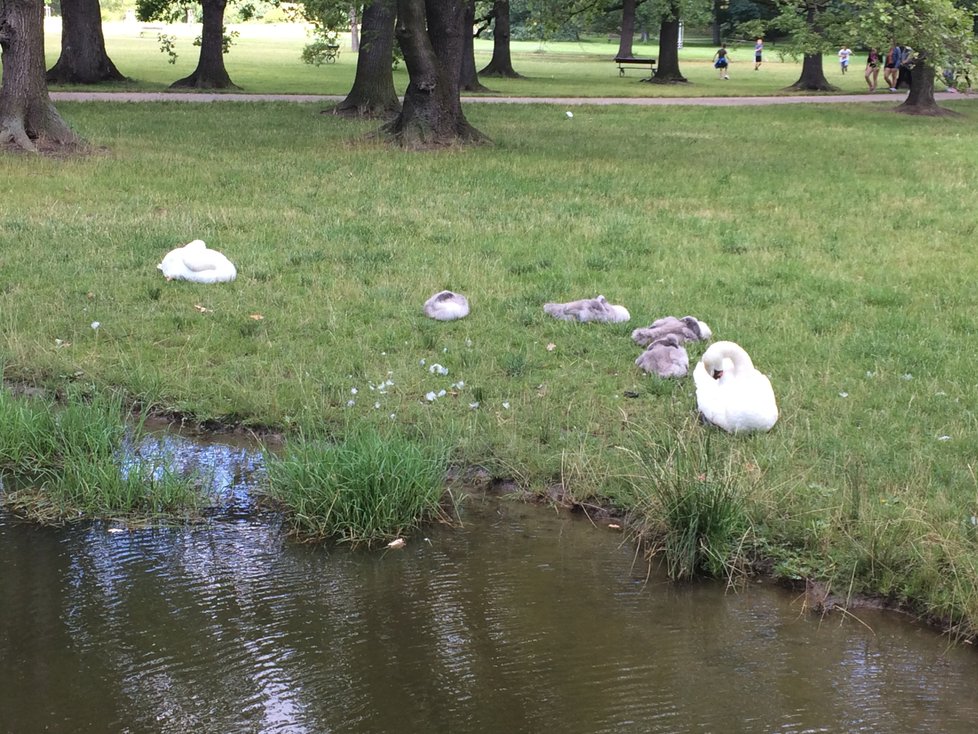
{"points": [[196, 263], [446, 306], [731, 393]]}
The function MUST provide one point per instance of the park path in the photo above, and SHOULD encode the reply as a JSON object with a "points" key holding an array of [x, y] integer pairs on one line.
{"points": [[575, 101]]}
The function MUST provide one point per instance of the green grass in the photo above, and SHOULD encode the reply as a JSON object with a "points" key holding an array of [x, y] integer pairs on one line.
{"points": [[266, 59], [835, 243], [71, 463], [369, 486]]}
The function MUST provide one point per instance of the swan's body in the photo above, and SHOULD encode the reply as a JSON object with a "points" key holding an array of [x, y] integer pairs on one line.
{"points": [[666, 358], [588, 309], [446, 306], [688, 328], [731, 393], [196, 263]]}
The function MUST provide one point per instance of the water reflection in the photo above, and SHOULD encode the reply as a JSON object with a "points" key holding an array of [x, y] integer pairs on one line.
{"points": [[522, 621]]}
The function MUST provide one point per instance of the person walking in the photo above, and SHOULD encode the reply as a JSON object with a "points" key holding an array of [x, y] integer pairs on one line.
{"points": [[844, 53], [758, 52], [873, 62], [891, 66], [721, 62]]}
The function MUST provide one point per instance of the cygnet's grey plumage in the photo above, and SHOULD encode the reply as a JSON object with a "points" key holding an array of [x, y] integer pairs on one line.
{"points": [[446, 306], [588, 309], [665, 357], [687, 329]]}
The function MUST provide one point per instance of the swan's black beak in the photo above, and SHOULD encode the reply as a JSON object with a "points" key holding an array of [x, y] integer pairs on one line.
{"points": [[717, 374]]}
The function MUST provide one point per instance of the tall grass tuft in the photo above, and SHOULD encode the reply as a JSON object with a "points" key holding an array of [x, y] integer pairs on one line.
{"points": [[370, 486], [70, 463], [690, 503]]}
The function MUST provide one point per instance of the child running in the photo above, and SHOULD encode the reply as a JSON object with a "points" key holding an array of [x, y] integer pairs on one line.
{"points": [[844, 53], [721, 62]]}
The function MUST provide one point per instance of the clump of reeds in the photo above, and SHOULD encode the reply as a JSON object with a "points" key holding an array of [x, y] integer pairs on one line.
{"points": [[368, 487], [68, 462], [690, 503]]}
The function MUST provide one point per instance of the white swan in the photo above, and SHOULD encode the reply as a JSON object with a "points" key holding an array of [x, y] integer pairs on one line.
{"points": [[588, 309], [665, 357], [196, 263], [446, 306], [731, 393]]}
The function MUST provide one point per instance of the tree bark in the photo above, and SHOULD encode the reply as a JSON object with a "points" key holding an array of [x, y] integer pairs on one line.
{"points": [[667, 66], [373, 93], [210, 72], [468, 76], [430, 33], [501, 63], [715, 22], [27, 117], [921, 100], [627, 30], [354, 30], [83, 57], [812, 77]]}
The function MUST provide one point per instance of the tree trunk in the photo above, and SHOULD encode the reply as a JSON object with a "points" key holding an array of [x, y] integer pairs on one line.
{"points": [[83, 58], [431, 36], [210, 72], [373, 93], [812, 77], [715, 25], [501, 63], [921, 100], [667, 66], [627, 30], [27, 117], [354, 35], [468, 77]]}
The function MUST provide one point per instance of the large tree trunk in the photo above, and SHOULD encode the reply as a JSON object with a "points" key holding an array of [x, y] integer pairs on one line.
{"points": [[921, 100], [373, 93], [468, 77], [667, 67], [812, 77], [83, 58], [210, 72], [27, 117], [715, 24], [501, 63], [627, 30], [431, 36]]}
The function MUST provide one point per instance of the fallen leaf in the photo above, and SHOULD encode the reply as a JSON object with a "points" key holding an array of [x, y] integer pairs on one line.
{"points": [[397, 543], [201, 309], [256, 316], [614, 526], [90, 296], [551, 346]]}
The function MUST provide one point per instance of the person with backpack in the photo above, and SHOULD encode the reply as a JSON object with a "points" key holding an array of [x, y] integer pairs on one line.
{"points": [[891, 67]]}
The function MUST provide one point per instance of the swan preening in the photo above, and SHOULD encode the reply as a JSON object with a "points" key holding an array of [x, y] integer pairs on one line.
{"points": [[588, 309], [731, 393], [665, 357], [446, 306], [688, 328], [196, 263]]}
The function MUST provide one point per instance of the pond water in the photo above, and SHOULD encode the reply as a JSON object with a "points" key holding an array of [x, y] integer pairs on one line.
{"points": [[523, 620]]}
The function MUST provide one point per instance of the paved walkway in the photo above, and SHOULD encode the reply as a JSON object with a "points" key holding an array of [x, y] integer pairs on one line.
{"points": [[576, 101]]}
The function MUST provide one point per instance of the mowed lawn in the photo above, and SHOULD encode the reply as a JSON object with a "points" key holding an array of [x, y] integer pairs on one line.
{"points": [[835, 243]]}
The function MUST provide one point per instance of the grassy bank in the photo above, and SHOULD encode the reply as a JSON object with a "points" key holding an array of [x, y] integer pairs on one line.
{"points": [[834, 243], [266, 59]]}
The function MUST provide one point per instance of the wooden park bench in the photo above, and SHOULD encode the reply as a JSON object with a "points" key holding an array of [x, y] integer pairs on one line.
{"points": [[624, 64]]}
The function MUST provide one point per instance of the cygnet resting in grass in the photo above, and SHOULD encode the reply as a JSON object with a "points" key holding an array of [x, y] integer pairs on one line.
{"points": [[665, 357], [688, 328], [446, 306], [196, 263], [588, 309]]}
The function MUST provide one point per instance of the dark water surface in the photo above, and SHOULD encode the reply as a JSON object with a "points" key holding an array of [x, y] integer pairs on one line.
{"points": [[524, 620]]}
